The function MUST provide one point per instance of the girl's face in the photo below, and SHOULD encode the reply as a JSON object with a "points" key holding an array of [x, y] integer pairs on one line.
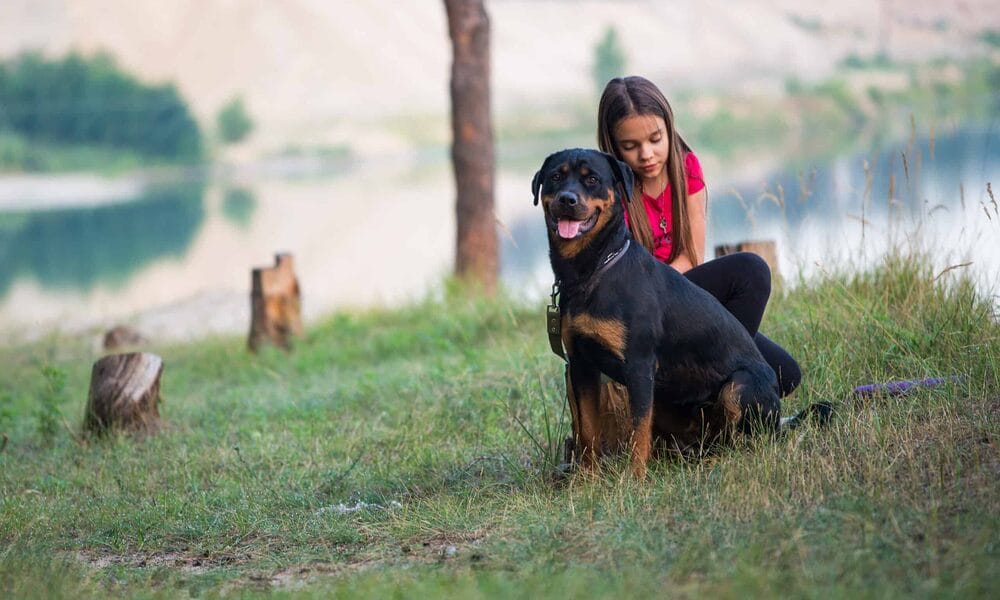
{"points": [[642, 143]]}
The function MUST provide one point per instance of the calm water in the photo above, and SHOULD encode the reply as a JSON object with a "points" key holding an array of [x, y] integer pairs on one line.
{"points": [[175, 259]]}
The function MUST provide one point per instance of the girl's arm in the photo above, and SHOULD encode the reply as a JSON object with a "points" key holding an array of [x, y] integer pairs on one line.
{"points": [[696, 218]]}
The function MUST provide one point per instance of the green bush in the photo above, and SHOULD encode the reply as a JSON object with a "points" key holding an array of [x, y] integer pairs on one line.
{"points": [[90, 101], [233, 122], [991, 37], [609, 59]]}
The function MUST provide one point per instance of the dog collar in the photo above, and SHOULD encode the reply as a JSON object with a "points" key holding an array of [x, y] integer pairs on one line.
{"points": [[612, 258], [608, 262]]}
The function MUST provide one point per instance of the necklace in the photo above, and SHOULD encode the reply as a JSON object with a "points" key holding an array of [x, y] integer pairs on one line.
{"points": [[663, 209]]}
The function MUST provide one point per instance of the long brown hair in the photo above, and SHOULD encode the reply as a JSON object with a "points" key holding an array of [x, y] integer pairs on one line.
{"points": [[625, 97]]}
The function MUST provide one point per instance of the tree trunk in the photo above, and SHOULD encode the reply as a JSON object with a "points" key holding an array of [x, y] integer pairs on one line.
{"points": [[124, 393], [476, 258], [275, 305]]}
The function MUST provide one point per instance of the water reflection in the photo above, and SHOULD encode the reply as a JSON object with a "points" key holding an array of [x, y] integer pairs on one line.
{"points": [[384, 232], [238, 206], [899, 180], [79, 249], [926, 192], [840, 212]]}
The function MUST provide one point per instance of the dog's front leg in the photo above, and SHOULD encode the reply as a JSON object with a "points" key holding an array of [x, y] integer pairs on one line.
{"points": [[585, 391], [639, 380]]}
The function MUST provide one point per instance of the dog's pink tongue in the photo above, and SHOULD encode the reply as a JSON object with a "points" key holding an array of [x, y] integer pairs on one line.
{"points": [[568, 228]]}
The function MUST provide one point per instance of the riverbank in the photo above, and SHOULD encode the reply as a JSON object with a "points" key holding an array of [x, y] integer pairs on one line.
{"points": [[74, 271], [413, 450]]}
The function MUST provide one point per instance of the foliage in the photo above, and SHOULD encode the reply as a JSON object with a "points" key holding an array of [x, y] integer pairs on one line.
{"points": [[91, 101], [812, 25], [991, 38], [879, 60], [609, 59], [233, 122]]}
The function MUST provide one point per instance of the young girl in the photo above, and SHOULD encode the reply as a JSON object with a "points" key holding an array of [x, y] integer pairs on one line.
{"points": [[667, 213]]}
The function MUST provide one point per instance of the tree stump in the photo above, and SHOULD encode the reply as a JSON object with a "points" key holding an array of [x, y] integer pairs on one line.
{"points": [[766, 249], [275, 305], [124, 393], [122, 337]]}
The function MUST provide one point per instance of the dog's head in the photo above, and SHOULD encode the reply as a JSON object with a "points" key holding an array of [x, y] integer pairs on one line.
{"points": [[582, 192]]}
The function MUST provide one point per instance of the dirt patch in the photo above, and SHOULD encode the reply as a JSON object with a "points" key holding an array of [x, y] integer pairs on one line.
{"points": [[186, 563], [464, 547]]}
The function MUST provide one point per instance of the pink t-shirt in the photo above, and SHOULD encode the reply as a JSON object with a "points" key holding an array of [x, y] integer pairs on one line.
{"points": [[658, 209]]}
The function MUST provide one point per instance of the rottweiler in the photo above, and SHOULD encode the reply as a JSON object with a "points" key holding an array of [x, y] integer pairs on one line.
{"points": [[692, 372]]}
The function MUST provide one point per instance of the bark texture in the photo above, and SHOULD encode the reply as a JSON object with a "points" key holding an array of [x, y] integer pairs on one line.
{"points": [[275, 305], [476, 259], [124, 394]]}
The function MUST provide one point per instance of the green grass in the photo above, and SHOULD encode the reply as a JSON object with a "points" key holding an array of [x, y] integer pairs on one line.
{"points": [[446, 418]]}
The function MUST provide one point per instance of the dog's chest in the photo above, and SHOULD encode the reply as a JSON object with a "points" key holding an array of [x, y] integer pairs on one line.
{"points": [[585, 332]]}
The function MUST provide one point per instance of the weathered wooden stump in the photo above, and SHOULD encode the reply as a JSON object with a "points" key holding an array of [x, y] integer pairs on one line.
{"points": [[766, 249], [121, 337], [124, 393], [275, 305]]}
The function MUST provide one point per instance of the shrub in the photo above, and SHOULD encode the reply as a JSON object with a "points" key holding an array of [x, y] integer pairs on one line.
{"points": [[609, 59], [233, 122], [90, 101]]}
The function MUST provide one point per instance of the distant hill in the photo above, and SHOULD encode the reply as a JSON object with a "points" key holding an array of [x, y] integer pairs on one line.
{"points": [[321, 71]]}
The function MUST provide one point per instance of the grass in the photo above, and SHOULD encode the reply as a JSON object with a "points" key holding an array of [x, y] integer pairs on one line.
{"points": [[411, 452]]}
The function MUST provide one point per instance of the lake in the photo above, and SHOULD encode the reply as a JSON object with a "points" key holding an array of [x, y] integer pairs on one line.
{"points": [[80, 254]]}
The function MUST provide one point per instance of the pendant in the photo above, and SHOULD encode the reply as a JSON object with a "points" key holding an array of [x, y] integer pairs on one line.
{"points": [[663, 224]]}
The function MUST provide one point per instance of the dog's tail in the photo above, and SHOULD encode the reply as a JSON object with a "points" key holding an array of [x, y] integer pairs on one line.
{"points": [[821, 411]]}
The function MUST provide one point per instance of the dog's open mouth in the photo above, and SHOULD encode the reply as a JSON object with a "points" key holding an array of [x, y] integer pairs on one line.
{"points": [[569, 228]]}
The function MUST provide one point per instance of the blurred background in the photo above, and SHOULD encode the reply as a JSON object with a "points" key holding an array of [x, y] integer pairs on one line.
{"points": [[152, 153]]}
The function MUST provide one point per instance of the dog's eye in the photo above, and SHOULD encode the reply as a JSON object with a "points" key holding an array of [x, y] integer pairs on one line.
{"points": [[557, 176], [591, 180]]}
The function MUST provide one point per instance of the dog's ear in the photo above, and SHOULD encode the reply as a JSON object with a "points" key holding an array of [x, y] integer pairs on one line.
{"points": [[623, 175], [536, 181]]}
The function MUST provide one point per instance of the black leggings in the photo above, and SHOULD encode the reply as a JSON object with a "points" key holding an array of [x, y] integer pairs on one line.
{"points": [[742, 283]]}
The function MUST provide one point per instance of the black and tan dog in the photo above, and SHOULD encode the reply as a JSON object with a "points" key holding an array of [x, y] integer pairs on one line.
{"points": [[692, 372]]}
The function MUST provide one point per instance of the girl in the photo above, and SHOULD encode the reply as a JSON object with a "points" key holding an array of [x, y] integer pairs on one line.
{"points": [[667, 213]]}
